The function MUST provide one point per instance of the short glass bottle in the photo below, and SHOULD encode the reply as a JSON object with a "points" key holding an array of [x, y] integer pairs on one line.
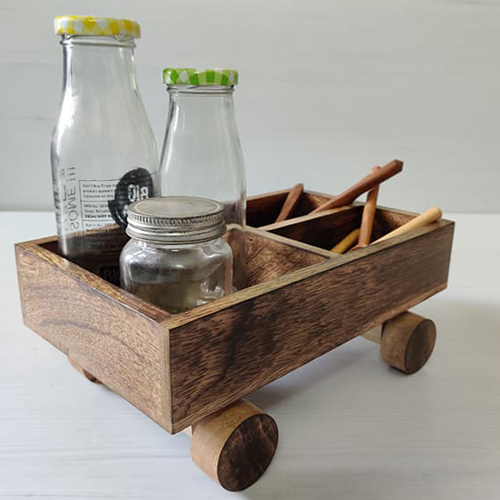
{"points": [[201, 154], [103, 151], [176, 257]]}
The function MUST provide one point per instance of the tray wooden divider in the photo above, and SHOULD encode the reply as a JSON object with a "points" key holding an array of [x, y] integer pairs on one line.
{"points": [[302, 301]]}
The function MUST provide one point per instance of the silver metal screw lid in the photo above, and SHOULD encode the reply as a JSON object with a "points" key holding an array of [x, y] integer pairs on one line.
{"points": [[175, 219]]}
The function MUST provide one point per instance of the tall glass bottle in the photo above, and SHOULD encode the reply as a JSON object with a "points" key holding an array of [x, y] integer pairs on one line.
{"points": [[103, 152], [201, 154]]}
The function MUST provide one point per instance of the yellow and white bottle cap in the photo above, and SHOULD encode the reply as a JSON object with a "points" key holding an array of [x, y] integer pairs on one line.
{"points": [[100, 26]]}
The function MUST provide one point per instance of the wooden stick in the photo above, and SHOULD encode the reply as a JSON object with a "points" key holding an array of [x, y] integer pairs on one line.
{"points": [[291, 202], [365, 234], [344, 245], [431, 215], [364, 185]]}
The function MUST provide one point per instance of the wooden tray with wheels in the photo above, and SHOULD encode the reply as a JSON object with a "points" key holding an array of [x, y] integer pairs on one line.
{"points": [[190, 371]]}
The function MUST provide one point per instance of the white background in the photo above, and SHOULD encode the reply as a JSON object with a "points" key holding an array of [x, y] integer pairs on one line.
{"points": [[328, 89]]}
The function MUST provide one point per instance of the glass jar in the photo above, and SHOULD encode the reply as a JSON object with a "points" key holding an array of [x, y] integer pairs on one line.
{"points": [[103, 151], [201, 154], [176, 257]]}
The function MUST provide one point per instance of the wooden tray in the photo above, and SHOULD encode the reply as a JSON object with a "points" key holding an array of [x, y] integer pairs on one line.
{"points": [[302, 301]]}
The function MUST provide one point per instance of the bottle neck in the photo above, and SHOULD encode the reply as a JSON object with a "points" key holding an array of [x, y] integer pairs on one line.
{"points": [[200, 90], [99, 63], [203, 109], [201, 153]]}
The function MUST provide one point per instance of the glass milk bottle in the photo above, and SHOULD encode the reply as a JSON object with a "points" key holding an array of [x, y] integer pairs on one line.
{"points": [[103, 152], [201, 153]]}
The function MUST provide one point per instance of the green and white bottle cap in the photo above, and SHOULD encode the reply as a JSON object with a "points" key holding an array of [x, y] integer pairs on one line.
{"points": [[200, 76]]}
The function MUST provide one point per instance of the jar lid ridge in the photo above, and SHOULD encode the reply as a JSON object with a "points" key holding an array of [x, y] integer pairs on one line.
{"points": [[176, 219]]}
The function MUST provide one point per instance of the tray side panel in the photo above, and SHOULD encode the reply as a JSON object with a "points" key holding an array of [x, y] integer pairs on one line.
{"points": [[222, 357], [123, 348]]}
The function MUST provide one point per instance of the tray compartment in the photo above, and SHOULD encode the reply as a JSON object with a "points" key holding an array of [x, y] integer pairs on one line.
{"points": [[268, 256], [325, 229], [263, 210]]}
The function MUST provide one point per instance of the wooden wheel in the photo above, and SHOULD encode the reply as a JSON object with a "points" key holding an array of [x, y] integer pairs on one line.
{"points": [[235, 445], [84, 372], [407, 342]]}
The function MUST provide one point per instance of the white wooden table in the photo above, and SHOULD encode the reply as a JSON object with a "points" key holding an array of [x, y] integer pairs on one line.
{"points": [[350, 427]]}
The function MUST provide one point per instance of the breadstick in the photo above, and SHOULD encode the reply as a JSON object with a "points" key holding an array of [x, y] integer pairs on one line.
{"points": [[291, 202], [364, 185], [431, 215], [347, 242], [365, 234]]}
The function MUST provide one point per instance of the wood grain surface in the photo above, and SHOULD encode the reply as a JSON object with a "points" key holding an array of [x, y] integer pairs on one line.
{"points": [[216, 359], [115, 336], [301, 303], [270, 256], [108, 332]]}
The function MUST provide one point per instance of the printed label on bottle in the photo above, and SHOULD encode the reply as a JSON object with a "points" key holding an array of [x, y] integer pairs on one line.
{"points": [[88, 209], [105, 203], [133, 186], [67, 201], [88, 212]]}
